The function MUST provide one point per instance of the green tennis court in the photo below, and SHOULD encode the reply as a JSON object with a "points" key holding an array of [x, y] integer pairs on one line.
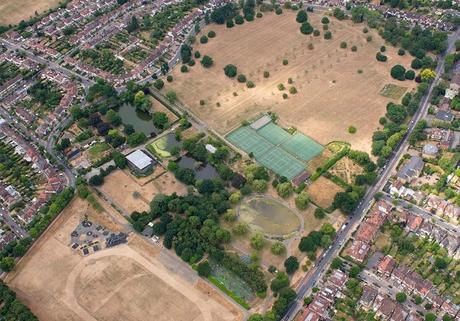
{"points": [[283, 153], [302, 146], [273, 133], [248, 140], [282, 163]]}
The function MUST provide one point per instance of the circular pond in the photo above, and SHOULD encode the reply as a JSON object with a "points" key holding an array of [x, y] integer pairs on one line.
{"points": [[268, 216]]}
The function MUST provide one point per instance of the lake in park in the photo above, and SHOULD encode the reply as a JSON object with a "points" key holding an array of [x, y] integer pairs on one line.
{"points": [[142, 122]]}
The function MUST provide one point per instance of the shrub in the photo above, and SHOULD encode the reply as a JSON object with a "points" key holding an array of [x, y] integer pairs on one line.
{"points": [[369, 38], [207, 61], [365, 30], [285, 96], [352, 129], [278, 248], [398, 72], [184, 68], [250, 84], [343, 45], [290, 81], [266, 74], [281, 87], [380, 57], [354, 48], [169, 78], [320, 213], [383, 49], [204, 269], [191, 63], [203, 39], [278, 11], [327, 35], [316, 33], [325, 27], [285, 62], [197, 55], [293, 90], [211, 34], [241, 78], [230, 23], [291, 264], [306, 28], [230, 70], [259, 15], [257, 241], [158, 84], [201, 102], [249, 17], [302, 201], [401, 52], [401, 297], [301, 16], [324, 20], [410, 75], [310, 46], [239, 20]]}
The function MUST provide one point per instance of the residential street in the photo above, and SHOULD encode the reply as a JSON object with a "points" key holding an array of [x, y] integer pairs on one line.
{"points": [[437, 220]]}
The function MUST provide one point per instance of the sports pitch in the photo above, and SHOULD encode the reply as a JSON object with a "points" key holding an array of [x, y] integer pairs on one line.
{"points": [[285, 154]]}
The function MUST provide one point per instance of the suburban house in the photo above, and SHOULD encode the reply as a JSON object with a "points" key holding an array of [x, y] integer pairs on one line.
{"points": [[411, 170]]}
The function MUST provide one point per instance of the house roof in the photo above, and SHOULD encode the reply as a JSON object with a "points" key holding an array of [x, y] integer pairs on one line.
{"points": [[444, 116], [410, 169]]}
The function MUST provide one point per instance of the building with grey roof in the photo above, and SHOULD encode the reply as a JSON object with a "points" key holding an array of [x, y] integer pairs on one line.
{"points": [[140, 162], [411, 170]]}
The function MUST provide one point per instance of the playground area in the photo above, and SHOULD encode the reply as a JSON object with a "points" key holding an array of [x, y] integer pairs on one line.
{"points": [[285, 154]]}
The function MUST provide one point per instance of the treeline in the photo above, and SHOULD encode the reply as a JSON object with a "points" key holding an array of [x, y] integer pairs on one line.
{"points": [[394, 127], [47, 214], [12, 308]]}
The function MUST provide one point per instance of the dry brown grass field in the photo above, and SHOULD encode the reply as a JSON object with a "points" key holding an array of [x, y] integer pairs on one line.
{"points": [[131, 195], [347, 170], [128, 282], [322, 191], [331, 96], [13, 11]]}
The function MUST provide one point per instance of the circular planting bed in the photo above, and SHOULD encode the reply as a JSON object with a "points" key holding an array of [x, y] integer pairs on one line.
{"points": [[268, 216]]}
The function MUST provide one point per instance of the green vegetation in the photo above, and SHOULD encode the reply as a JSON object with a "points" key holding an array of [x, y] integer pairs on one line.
{"points": [[13, 308], [46, 93]]}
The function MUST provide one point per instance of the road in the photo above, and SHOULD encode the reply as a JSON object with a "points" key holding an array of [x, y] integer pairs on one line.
{"points": [[437, 220], [357, 216]]}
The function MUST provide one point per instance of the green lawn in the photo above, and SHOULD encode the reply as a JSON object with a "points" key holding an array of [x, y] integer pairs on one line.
{"points": [[96, 151]]}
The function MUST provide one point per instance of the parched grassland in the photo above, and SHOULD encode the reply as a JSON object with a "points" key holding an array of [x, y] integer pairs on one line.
{"points": [[132, 281], [332, 94], [13, 11]]}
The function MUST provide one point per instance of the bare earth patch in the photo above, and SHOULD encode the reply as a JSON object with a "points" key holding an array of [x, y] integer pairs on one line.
{"points": [[13, 11], [331, 96], [322, 191], [128, 282], [125, 191]]}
